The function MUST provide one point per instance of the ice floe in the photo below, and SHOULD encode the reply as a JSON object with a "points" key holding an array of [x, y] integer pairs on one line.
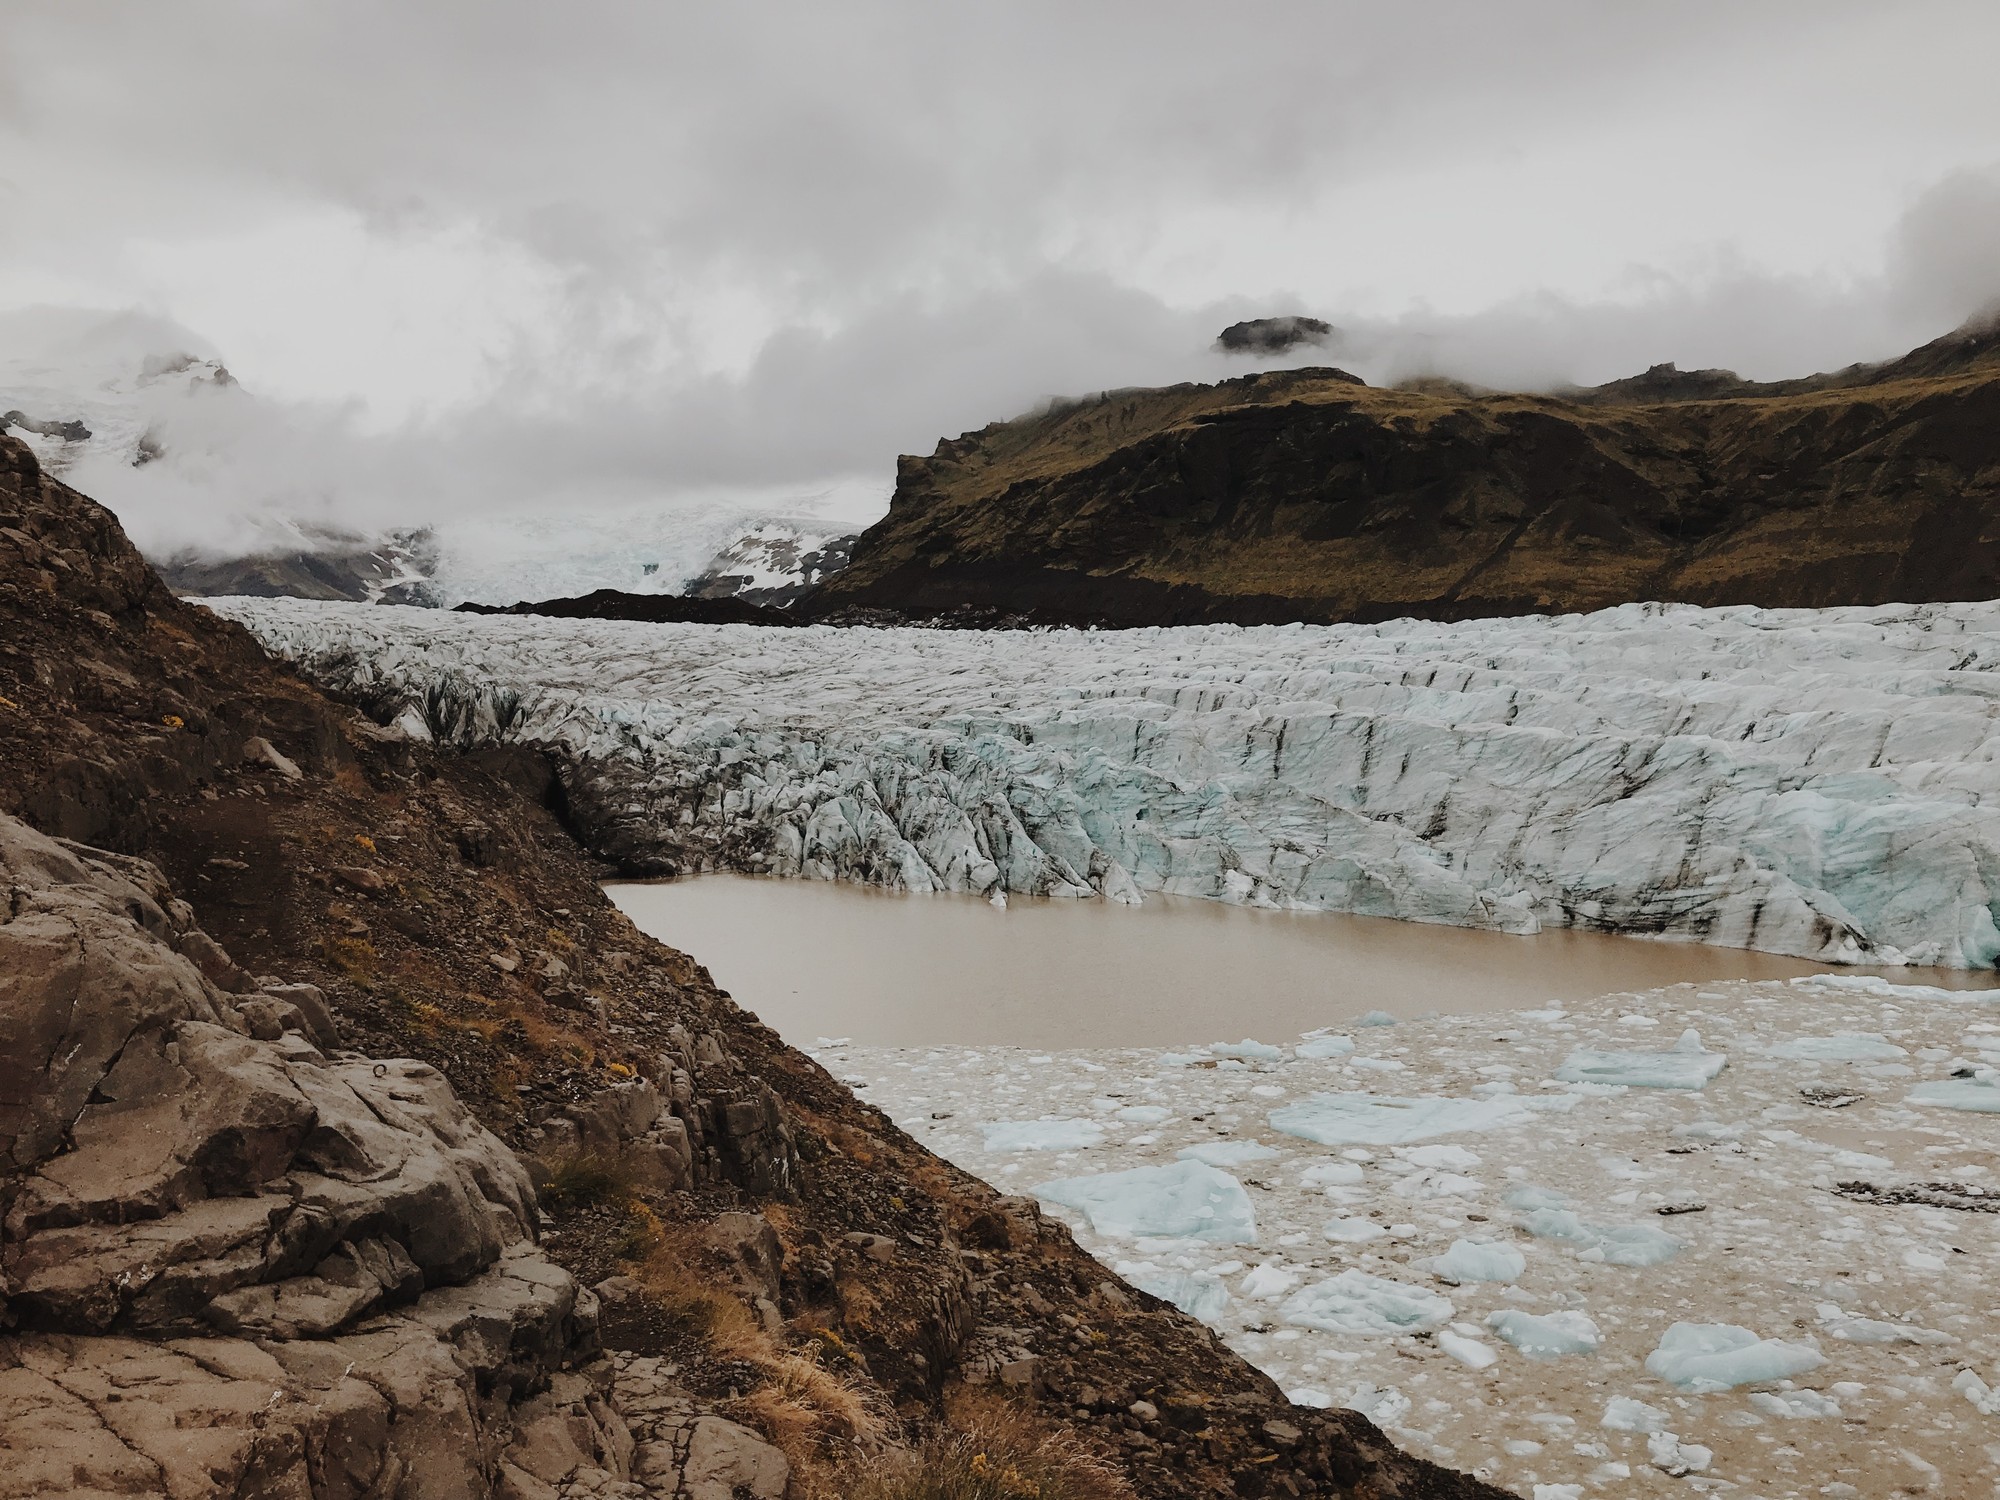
{"points": [[1358, 1302], [1479, 1260], [1704, 1357], [1849, 1046], [1043, 1135], [1980, 1095], [1687, 1066], [1189, 1200], [1546, 1335], [1854, 1235], [1817, 782], [1385, 1120]]}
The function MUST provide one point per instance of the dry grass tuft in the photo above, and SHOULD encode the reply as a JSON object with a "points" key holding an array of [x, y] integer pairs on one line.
{"points": [[821, 1421], [996, 1451], [584, 1182]]}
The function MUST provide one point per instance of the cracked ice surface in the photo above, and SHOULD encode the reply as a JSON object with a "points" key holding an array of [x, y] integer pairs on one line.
{"points": [[1417, 1279], [1815, 782]]}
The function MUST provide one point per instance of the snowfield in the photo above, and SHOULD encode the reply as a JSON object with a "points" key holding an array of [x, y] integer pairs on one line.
{"points": [[1812, 782], [1775, 1280]]}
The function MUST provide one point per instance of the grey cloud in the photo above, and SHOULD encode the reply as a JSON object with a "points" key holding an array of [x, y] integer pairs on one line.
{"points": [[939, 209]]}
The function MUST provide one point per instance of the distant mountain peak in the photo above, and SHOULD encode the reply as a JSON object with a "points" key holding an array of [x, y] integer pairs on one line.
{"points": [[1274, 335]]}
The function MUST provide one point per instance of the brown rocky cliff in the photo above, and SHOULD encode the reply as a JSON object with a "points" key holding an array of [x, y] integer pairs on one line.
{"points": [[353, 897], [1304, 495]]}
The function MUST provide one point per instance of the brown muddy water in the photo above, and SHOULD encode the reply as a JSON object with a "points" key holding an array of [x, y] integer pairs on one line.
{"points": [[817, 959]]}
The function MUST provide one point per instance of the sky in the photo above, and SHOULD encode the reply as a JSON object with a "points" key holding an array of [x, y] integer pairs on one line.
{"points": [[480, 258]]}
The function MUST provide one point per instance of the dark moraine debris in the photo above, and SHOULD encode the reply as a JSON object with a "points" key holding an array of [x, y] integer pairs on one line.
{"points": [[654, 609], [1963, 1196]]}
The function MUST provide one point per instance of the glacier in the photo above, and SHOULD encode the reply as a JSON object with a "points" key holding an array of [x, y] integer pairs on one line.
{"points": [[1812, 782]]}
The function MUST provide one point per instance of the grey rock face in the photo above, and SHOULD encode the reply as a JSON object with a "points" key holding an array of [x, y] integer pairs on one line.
{"points": [[234, 1261]]}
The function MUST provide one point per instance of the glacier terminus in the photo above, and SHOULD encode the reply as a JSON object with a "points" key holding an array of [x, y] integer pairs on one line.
{"points": [[1808, 782]]}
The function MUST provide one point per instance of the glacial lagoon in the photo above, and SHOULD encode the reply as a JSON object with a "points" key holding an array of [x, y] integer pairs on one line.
{"points": [[826, 959]]}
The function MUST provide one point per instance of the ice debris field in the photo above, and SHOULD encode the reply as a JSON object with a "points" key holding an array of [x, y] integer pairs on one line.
{"points": [[1740, 1238], [1813, 782]]}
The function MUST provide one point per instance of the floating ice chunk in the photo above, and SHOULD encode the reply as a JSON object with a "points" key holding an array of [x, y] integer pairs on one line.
{"points": [[1546, 1335], [1043, 1135], [1686, 1066], [1309, 1395], [1617, 1245], [1324, 1046], [1842, 1046], [1249, 1047], [1385, 1407], [1448, 1157], [1385, 1120], [1188, 1199], [1467, 1351], [1331, 1174], [1196, 1293], [1666, 1452], [1529, 1198], [1377, 1018], [1624, 1414], [1479, 1260], [1379, 1064], [1267, 1282], [1227, 1153], [1356, 1302], [1346, 1231], [1979, 1094], [1421, 1185], [1635, 1245], [1558, 1492], [1869, 984], [1984, 1398], [1706, 1357], [1559, 1224], [1145, 1114], [1708, 1130], [1794, 1404], [1852, 1330]]}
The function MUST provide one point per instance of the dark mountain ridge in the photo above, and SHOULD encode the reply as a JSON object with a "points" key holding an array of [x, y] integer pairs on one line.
{"points": [[1308, 495]]}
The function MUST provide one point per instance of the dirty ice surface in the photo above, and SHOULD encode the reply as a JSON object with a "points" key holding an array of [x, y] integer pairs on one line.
{"points": [[1766, 1265], [1816, 782]]}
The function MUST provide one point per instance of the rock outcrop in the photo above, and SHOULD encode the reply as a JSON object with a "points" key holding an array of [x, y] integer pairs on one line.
{"points": [[1273, 335], [1306, 495], [235, 1259]]}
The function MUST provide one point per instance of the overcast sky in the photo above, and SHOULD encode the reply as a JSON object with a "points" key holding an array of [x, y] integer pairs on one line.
{"points": [[636, 249]]}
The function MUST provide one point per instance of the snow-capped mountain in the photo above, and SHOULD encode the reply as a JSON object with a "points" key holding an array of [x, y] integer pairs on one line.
{"points": [[774, 562], [228, 493]]}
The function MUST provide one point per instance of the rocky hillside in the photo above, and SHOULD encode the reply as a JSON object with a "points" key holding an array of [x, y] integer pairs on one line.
{"points": [[351, 1144], [1307, 495]]}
